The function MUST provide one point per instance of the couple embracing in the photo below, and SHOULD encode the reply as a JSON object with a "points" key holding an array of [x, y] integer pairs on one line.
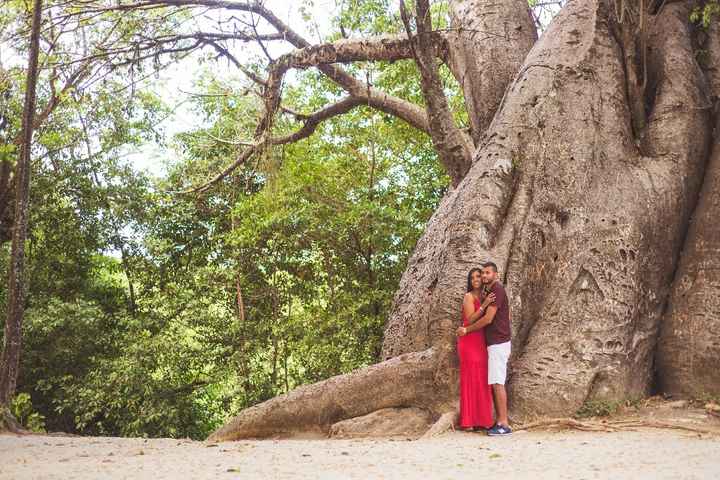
{"points": [[484, 349]]}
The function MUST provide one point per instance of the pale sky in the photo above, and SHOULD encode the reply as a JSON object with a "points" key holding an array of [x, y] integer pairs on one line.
{"points": [[180, 77]]}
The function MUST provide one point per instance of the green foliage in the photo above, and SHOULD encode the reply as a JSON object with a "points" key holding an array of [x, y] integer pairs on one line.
{"points": [[22, 409], [598, 408], [705, 13], [367, 17], [605, 408]]}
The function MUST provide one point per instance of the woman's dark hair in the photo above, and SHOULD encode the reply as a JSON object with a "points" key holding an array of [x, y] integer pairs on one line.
{"points": [[469, 281]]}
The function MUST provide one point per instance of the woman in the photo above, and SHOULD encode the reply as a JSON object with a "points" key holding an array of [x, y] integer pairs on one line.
{"points": [[475, 393]]}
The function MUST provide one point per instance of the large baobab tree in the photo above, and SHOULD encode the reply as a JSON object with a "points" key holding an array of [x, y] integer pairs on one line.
{"points": [[582, 165]]}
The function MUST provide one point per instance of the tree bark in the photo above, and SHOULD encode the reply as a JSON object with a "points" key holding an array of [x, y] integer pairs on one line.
{"points": [[489, 41], [585, 228], [315, 408], [688, 352], [453, 146], [9, 362], [6, 193], [6, 167]]}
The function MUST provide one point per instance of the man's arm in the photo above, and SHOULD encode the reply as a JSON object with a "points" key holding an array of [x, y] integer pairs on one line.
{"points": [[471, 315], [485, 320]]}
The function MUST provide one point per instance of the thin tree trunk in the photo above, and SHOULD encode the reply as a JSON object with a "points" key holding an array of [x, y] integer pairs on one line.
{"points": [[6, 190], [10, 360], [451, 143], [5, 194], [240, 304], [128, 277]]}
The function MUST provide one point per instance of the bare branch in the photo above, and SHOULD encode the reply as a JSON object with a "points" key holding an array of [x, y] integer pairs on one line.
{"points": [[259, 39], [248, 73], [311, 123], [411, 113], [343, 51], [378, 48], [408, 111], [325, 57], [228, 142]]}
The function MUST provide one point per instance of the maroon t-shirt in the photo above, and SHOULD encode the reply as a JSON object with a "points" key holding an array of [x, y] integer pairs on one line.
{"points": [[499, 330]]}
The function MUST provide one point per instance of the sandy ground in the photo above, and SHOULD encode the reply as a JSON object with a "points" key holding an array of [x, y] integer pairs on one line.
{"points": [[648, 453]]}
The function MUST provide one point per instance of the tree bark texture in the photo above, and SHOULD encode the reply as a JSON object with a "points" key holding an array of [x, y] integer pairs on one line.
{"points": [[688, 352]]}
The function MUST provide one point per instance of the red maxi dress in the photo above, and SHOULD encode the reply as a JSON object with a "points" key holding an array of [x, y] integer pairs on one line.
{"points": [[475, 392]]}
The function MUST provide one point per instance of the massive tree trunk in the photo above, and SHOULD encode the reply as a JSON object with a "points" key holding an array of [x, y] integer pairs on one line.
{"points": [[605, 270], [689, 349], [580, 197], [584, 224]]}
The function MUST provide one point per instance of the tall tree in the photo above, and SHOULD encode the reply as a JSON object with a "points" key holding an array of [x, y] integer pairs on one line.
{"points": [[10, 360]]}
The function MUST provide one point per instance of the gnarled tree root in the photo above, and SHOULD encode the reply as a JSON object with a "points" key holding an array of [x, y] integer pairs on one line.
{"points": [[612, 425], [405, 381], [444, 424], [8, 423]]}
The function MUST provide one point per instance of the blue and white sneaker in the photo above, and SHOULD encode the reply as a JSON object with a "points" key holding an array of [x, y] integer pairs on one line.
{"points": [[499, 430]]}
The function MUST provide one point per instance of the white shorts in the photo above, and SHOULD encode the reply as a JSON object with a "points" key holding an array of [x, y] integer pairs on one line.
{"points": [[498, 356]]}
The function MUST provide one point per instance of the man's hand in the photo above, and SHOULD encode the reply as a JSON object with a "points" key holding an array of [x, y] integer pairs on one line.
{"points": [[488, 300], [461, 331]]}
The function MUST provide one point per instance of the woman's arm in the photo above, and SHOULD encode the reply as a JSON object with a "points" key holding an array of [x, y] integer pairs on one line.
{"points": [[477, 314], [471, 314], [485, 320], [469, 308]]}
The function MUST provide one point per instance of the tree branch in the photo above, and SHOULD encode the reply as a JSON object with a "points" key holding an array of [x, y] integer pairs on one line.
{"points": [[309, 126], [382, 48], [408, 111], [454, 146], [325, 57]]}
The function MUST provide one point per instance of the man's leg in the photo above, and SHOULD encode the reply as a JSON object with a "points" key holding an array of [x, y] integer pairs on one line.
{"points": [[500, 397], [498, 356]]}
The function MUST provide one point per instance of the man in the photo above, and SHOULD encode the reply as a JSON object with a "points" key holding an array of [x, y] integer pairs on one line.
{"points": [[497, 336]]}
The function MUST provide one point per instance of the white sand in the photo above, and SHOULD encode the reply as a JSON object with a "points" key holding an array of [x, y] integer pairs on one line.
{"points": [[649, 453]]}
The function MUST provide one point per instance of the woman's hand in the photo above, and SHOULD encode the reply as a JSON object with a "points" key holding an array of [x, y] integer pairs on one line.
{"points": [[461, 331], [488, 300]]}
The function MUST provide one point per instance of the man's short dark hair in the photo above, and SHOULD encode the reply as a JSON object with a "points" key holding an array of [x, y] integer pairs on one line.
{"points": [[490, 264]]}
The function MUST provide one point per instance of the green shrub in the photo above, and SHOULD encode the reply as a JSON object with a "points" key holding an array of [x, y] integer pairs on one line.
{"points": [[22, 409]]}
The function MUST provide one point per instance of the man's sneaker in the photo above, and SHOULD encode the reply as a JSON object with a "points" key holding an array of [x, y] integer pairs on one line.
{"points": [[499, 430]]}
